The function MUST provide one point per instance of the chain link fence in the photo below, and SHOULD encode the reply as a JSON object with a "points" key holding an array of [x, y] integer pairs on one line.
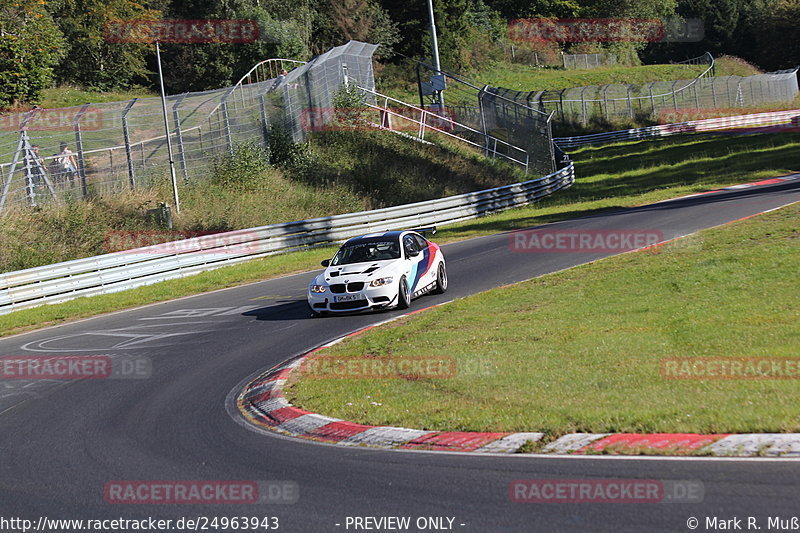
{"points": [[496, 114], [650, 100], [586, 61], [95, 149], [308, 93]]}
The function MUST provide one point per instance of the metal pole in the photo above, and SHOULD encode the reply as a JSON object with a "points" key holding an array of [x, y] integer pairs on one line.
{"points": [[227, 126], [126, 137], [674, 96], [166, 130], [419, 86], [30, 190], [713, 93], [435, 43], [79, 148], [264, 120], [179, 135], [483, 119], [20, 148], [630, 103]]}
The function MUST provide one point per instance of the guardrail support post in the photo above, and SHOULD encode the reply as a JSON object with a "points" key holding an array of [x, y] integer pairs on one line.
{"points": [[127, 138]]}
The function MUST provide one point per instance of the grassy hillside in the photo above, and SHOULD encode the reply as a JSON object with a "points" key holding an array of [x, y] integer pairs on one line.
{"points": [[335, 172]]}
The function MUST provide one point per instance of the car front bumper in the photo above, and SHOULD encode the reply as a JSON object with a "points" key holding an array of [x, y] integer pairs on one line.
{"points": [[349, 302]]}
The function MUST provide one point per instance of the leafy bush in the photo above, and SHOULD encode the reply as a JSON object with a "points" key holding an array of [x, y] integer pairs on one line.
{"points": [[287, 154], [242, 170]]}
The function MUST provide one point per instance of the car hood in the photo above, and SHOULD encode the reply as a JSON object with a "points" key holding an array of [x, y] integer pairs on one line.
{"points": [[366, 271]]}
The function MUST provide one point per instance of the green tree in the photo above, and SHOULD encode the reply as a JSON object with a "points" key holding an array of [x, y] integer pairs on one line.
{"points": [[338, 21], [516, 9], [213, 65], [93, 59], [773, 53], [30, 46], [452, 28]]}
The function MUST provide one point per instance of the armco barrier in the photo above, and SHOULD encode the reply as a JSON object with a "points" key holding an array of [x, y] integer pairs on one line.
{"points": [[127, 269], [773, 121]]}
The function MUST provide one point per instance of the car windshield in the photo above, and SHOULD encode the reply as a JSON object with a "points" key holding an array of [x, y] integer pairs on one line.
{"points": [[361, 251]]}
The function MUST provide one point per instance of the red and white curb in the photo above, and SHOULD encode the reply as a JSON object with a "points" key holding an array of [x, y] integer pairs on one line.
{"points": [[263, 404]]}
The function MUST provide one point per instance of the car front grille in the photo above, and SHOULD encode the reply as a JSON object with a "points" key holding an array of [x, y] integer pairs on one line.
{"points": [[339, 288], [341, 306]]}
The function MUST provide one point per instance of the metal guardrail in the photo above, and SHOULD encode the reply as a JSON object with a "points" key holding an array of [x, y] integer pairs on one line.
{"points": [[773, 121], [128, 269]]}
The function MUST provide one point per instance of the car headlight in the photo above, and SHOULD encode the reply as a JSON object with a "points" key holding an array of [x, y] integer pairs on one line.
{"points": [[317, 288], [381, 281]]}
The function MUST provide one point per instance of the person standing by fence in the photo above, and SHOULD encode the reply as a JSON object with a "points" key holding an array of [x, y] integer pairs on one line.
{"points": [[37, 167], [67, 165]]}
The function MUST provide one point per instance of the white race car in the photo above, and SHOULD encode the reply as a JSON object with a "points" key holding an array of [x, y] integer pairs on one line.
{"points": [[378, 271]]}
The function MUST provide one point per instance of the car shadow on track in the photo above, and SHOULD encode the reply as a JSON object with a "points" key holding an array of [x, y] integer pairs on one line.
{"points": [[282, 310], [298, 310]]}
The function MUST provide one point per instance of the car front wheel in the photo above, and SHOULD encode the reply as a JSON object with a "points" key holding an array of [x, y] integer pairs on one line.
{"points": [[441, 279], [403, 296]]}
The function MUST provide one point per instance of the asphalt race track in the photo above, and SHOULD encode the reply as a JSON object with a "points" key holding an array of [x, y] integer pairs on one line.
{"points": [[61, 442]]}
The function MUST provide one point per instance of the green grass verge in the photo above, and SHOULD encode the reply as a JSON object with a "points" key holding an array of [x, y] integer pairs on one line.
{"points": [[522, 77], [525, 78], [581, 350], [633, 173], [67, 96], [609, 177]]}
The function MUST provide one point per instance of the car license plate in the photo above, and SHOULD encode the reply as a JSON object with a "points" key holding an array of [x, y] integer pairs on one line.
{"points": [[348, 298]]}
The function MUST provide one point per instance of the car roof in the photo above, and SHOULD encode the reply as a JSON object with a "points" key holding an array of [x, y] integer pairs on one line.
{"points": [[377, 237]]}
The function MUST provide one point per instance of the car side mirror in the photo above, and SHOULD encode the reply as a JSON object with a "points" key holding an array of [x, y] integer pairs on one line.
{"points": [[326, 263]]}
